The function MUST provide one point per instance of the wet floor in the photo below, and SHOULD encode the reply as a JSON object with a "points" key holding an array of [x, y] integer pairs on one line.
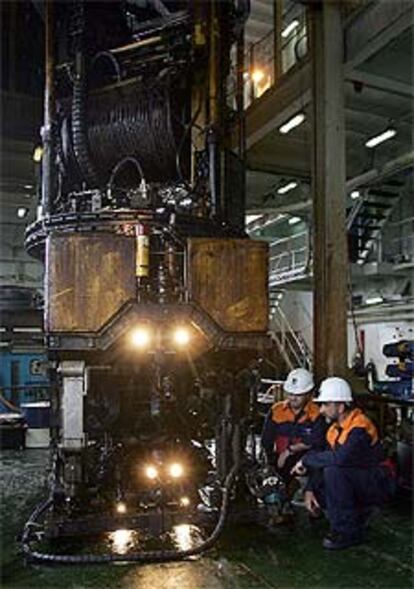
{"points": [[247, 557]]}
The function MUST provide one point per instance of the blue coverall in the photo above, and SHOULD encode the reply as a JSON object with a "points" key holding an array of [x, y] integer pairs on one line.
{"points": [[351, 476], [283, 428]]}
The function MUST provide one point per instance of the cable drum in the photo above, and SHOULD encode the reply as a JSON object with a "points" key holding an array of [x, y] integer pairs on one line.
{"points": [[128, 120]]}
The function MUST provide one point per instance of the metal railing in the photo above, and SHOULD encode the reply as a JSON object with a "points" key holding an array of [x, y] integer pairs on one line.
{"points": [[399, 250], [289, 258], [260, 62], [291, 344]]}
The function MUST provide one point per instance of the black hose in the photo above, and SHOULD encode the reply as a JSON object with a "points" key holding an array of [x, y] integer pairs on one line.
{"points": [[126, 160], [145, 556], [79, 133], [109, 56]]}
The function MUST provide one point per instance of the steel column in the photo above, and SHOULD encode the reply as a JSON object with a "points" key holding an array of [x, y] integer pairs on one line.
{"points": [[328, 186], [277, 40]]}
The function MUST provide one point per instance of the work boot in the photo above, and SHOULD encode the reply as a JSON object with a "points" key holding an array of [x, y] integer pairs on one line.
{"points": [[336, 541]]}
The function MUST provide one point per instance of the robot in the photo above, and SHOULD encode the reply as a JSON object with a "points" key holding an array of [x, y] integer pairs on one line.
{"points": [[156, 306]]}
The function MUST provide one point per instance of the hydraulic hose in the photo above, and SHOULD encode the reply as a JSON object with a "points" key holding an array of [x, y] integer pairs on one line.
{"points": [[145, 556], [79, 132], [121, 164]]}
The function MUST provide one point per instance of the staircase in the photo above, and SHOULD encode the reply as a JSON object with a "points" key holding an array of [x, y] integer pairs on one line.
{"points": [[292, 347], [291, 257], [366, 219]]}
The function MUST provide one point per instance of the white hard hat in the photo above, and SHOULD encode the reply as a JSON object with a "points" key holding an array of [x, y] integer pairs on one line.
{"points": [[299, 382], [334, 389]]}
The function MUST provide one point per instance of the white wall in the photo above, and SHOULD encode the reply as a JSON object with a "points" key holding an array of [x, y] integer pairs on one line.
{"points": [[298, 308]]}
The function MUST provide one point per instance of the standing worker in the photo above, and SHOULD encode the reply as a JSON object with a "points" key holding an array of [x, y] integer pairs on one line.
{"points": [[350, 477], [293, 426]]}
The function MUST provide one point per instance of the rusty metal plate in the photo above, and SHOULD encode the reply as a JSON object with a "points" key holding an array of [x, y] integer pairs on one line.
{"points": [[88, 279], [228, 278]]}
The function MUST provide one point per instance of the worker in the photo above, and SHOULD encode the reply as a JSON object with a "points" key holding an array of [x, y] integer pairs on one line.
{"points": [[294, 425], [350, 477]]}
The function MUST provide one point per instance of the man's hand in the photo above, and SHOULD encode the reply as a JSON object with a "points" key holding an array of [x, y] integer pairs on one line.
{"points": [[298, 469], [311, 503], [282, 458]]}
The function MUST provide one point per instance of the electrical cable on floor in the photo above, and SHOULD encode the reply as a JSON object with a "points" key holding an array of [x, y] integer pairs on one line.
{"points": [[145, 556]]}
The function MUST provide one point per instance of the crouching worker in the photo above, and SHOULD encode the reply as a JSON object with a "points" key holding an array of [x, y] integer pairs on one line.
{"points": [[350, 477], [293, 426]]}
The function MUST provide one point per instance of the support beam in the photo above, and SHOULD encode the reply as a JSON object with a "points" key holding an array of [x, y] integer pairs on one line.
{"points": [[277, 40], [386, 85], [375, 28], [328, 186], [395, 166]]}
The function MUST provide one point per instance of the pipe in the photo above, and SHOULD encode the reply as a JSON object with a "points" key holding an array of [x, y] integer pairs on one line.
{"points": [[147, 556], [213, 141], [48, 180], [241, 213]]}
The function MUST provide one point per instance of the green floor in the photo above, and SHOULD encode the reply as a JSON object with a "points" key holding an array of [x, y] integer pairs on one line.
{"points": [[246, 557]]}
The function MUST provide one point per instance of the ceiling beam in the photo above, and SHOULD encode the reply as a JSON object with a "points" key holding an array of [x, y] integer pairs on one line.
{"points": [[377, 26], [257, 209], [385, 85], [399, 164]]}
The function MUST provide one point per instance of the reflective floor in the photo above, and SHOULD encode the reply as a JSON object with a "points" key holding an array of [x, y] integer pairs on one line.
{"points": [[246, 556]]}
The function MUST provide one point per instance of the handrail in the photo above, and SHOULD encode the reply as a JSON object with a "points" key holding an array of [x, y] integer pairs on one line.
{"points": [[293, 348], [297, 340], [354, 213]]}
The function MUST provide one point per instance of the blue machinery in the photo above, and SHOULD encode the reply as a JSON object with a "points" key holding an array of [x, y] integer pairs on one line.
{"points": [[402, 385]]}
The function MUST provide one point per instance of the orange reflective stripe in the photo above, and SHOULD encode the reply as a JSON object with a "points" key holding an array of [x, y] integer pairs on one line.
{"points": [[339, 435], [281, 412], [312, 411], [332, 435]]}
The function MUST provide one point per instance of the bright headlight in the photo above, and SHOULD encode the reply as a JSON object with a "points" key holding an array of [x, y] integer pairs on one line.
{"points": [[181, 336], [140, 337], [176, 470], [151, 472]]}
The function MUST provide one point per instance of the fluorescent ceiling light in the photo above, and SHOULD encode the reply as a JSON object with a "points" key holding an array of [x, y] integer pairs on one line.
{"points": [[294, 220], [374, 300], [252, 218], [355, 194], [37, 154], [28, 186], [292, 123], [22, 212], [290, 28], [287, 187], [374, 141]]}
